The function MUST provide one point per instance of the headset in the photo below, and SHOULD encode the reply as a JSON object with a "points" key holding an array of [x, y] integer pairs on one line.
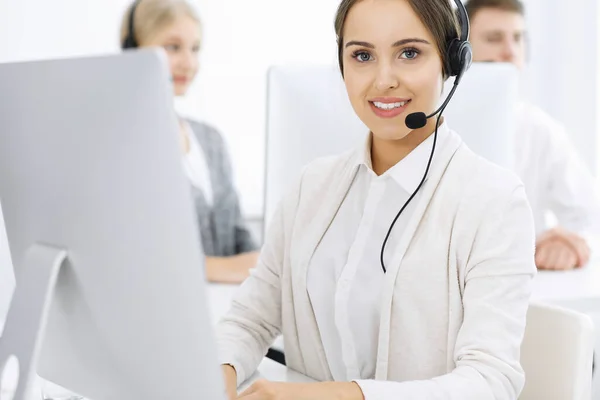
{"points": [[130, 42], [459, 57]]}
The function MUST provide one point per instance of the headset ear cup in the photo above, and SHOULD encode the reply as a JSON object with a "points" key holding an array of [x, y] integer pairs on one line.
{"points": [[130, 42], [453, 57], [460, 57], [466, 56]]}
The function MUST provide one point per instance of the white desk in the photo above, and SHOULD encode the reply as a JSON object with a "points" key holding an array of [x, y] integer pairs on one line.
{"points": [[578, 289], [220, 297], [275, 372], [567, 286]]}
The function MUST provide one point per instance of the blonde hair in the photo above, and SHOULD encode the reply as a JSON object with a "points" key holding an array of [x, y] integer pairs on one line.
{"points": [[153, 15]]}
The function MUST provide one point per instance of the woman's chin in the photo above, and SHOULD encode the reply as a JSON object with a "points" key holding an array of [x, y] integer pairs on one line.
{"points": [[180, 91], [391, 133]]}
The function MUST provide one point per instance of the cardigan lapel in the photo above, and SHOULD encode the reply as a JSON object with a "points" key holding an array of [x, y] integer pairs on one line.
{"points": [[442, 160], [311, 336]]}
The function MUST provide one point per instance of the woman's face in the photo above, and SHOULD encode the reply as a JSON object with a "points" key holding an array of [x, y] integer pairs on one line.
{"points": [[392, 66], [181, 40]]}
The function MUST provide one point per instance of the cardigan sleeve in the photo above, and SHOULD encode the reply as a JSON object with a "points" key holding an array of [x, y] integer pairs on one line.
{"points": [[245, 333], [496, 295]]}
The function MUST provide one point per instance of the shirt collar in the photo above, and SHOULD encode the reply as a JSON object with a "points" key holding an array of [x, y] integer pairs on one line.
{"points": [[409, 171]]}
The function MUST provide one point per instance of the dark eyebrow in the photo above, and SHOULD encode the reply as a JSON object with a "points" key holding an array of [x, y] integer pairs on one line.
{"points": [[494, 32], [173, 38], [398, 43], [357, 43], [411, 40]]}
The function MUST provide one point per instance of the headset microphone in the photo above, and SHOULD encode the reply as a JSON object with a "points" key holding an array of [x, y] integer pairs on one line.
{"points": [[418, 120], [460, 57]]}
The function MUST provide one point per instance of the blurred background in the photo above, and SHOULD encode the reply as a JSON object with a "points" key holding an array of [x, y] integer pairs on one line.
{"points": [[242, 38]]}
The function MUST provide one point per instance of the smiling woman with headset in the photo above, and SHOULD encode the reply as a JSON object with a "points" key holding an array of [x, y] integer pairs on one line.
{"points": [[174, 26], [400, 270]]}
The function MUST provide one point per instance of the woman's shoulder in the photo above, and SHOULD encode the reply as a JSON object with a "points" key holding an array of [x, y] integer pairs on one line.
{"points": [[482, 180], [204, 131], [328, 169], [318, 180]]}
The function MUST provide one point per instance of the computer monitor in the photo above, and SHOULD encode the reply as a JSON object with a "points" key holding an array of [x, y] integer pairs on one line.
{"points": [[7, 276], [309, 116], [92, 188]]}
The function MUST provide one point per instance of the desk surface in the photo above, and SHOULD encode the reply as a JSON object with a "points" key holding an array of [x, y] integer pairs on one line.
{"points": [[583, 283], [273, 371]]}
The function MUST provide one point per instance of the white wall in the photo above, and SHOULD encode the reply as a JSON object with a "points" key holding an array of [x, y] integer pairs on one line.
{"points": [[34, 29], [564, 68]]}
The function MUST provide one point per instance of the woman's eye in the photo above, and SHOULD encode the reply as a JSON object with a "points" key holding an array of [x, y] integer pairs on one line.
{"points": [[172, 47], [410, 54], [494, 39], [362, 56]]}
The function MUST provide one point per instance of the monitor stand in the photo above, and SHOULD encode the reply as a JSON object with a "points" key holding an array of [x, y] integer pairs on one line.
{"points": [[28, 315]]}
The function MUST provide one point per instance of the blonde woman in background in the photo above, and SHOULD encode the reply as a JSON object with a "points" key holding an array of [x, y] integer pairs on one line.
{"points": [[175, 26]]}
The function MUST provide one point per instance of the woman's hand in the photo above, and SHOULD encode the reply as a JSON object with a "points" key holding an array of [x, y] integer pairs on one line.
{"points": [[265, 390], [231, 270], [230, 377]]}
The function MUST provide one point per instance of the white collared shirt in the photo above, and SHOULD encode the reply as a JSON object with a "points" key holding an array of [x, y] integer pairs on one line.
{"points": [[345, 276], [196, 167], [555, 178]]}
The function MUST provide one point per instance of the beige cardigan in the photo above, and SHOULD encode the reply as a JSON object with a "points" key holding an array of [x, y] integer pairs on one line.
{"points": [[453, 311]]}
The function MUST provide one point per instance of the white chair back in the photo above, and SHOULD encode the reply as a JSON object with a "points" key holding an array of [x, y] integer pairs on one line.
{"points": [[557, 354]]}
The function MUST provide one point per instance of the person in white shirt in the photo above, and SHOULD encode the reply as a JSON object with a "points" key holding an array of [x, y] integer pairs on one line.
{"points": [[174, 25], [442, 314], [556, 181]]}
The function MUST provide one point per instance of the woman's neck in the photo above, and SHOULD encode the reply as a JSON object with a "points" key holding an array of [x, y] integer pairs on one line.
{"points": [[184, 139], [387, 153]]}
